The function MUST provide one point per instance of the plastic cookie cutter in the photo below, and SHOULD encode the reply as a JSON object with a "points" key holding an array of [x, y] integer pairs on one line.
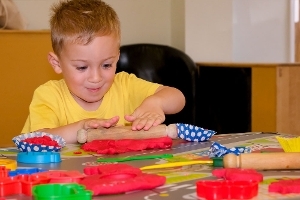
{"points": [[3, 172], [143, 157], [20, 184], [215, 162], [63, 176], [8, 163], [70, 191], [221, 190], [38, 157], [25, 170]]}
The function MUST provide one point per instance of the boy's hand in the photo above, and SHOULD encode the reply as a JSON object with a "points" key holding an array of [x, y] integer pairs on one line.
{"points": [[151, 112], [97, 123], [145, 118]]}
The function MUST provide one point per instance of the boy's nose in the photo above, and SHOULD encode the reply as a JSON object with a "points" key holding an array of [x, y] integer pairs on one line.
{"points": [[95, 76]]}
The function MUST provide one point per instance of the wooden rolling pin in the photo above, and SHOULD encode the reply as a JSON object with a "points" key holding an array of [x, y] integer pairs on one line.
{"points": [[125, 132], [263, 161]]}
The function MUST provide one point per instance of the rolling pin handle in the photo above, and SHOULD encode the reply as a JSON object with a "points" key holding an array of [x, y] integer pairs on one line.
{"points": [[263, 161], [82, 136], [171, 131], [231, 161]]}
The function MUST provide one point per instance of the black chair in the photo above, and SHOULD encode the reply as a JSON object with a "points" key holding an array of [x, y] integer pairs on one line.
{"points": [[165, 65]]}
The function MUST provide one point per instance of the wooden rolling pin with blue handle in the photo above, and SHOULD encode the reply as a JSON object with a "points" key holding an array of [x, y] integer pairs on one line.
{"points": [[263, 161]]}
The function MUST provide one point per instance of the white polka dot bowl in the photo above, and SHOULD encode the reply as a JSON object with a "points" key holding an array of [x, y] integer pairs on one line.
{"points": [[30, 147]]}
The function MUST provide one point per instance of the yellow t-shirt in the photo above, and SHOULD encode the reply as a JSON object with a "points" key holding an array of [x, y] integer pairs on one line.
{"points": [[53, 106]]}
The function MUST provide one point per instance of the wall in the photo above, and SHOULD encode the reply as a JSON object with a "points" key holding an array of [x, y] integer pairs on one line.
{"points": [[239, 30], [147, 21], [177, 24], [207, 30], [260, 34], [36, 12]]}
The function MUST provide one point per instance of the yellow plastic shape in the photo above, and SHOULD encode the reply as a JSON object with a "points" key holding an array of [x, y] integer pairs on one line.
{"points": [[9, 164], [177, 164]]}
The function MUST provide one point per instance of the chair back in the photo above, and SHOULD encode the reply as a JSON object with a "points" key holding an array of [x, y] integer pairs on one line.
{"points": [[164, 65]]}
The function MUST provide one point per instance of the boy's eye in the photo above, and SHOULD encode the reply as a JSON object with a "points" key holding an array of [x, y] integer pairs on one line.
{"points": [[81, 68], [106, 65]]}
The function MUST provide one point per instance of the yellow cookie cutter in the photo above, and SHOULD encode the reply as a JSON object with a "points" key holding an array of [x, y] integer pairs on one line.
{"points": [[8, 164]]}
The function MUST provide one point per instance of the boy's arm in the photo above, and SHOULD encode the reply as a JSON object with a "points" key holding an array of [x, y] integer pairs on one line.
{"points": [[69, 132], [166, 100], [171, 100]]}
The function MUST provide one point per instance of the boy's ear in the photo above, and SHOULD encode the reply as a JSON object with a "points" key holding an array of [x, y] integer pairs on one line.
{"points": [[54, 62], [119, 56]]}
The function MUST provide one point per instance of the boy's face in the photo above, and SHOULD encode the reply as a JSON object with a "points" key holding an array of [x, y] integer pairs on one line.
{"points": [[89, 70]]}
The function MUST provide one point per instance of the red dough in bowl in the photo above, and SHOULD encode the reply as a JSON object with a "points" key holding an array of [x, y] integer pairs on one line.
{"points": [[44, 140]]}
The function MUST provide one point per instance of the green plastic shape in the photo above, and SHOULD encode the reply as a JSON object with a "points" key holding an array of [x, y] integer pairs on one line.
{"points": [[72, 191], [218, 162], [123, 159]]}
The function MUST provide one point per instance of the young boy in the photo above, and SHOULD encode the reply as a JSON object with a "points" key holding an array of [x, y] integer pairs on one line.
{"points": [[85, 38]]}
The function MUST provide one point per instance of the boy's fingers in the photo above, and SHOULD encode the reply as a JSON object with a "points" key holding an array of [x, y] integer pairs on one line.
{"points": [[97, 123], [110, 122], [114, 120], [129, 118], [157, 122]]}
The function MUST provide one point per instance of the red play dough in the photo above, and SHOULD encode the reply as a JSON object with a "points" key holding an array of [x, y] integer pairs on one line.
{"points": [[126, 145], [111, 169], [44, 140], [236, 174], [119, 178], [285, 186]]}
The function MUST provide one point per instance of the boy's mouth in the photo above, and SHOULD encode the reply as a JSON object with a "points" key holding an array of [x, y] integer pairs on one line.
{"points": [[93, 89]]}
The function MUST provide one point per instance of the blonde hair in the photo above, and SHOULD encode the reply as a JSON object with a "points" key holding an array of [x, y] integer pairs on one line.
{"points": [[80, 21]]}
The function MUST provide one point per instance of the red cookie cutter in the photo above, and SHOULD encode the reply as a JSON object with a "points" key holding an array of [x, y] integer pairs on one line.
{"points": [[119, 178], [62, 176], [3, 172], [219, 190], [20, 184]]}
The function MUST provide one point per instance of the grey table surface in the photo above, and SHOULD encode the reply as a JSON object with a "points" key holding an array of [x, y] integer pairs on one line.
{"points": [[182, 190]]}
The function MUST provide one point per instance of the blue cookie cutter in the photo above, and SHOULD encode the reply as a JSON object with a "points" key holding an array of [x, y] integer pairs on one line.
{"points": [[25, 170], [38, 157]]}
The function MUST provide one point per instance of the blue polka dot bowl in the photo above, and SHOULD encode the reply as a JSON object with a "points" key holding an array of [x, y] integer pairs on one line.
{"points": [[30, 147], [193, 133]]}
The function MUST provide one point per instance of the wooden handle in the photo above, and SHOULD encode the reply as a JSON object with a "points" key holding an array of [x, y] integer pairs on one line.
{"points": [[125, 132], [263, 161]]}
